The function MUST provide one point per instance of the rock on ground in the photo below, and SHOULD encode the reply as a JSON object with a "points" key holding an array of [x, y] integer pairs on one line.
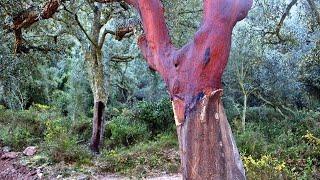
{"points": [[9, 155], [30, 151]]}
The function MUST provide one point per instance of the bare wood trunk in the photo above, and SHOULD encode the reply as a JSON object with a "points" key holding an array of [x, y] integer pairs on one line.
{"points": [[207, 147]]}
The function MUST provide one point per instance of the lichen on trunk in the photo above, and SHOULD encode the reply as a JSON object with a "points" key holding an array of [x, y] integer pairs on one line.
{"points": [[98, 82]]}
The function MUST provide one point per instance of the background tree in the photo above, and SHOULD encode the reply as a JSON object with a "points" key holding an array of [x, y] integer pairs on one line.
{"points": [[92, 45]]}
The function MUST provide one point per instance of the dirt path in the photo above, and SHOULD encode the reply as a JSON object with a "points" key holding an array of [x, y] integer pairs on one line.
{"points": [[10, 169]]}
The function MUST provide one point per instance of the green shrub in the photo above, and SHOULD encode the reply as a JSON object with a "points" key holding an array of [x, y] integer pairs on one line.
{"points": [[19, 129], [124, 130], [143, 158], [251, 142], [82, 128], [313, 149], [157, 115], [62, 144], [2, 107], [232, 109], [16, 138], [266, 168]]}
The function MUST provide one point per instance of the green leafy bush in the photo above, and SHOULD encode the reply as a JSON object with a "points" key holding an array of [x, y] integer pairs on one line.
{"points": [[2, 107], [82, 128], [251, 142], [17, 138], [266, 167], [143, 158], [62, 144], [19, 129], [157, 115], [124, 130]]}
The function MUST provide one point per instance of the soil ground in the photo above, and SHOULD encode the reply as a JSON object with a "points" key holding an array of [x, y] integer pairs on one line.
{"points": [[12, 169]]}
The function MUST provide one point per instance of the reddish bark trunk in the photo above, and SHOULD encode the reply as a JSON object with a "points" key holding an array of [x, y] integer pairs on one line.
{"points": [[193, 77], [28, 17], [98, 126]]}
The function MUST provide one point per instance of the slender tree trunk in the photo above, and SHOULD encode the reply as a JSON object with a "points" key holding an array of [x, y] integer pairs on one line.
{"points": [[98, 87], [207, 147], [244, 111]]}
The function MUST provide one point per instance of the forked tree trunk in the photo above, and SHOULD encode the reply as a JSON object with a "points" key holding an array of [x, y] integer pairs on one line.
{"points": [[193, 78], [207, 147]]}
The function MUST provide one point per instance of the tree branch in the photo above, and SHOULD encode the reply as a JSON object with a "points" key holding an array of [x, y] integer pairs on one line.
{"points": [[31, 15], [119, 34], [314, 8], [76, 18], [281, 22], [117, 58], [28, 17]]}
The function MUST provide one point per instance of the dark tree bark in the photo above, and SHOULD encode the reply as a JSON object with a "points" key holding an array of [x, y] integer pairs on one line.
{"points": [[98, 126], [193, 78]]}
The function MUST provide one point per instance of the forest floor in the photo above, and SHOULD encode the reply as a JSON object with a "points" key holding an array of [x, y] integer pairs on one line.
{"points": [[11, 168]]}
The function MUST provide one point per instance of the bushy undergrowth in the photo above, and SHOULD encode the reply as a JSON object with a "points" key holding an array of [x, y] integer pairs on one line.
{"points": [[271, 141], [125, 130], [141, 138], [144, 121], [61, 144], [41, 125], [20, 128], [143, 158], [158, 116]]}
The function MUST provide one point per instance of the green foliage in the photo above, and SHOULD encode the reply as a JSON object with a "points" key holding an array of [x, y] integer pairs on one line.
{"points": [[2, 108], [143, 158], [291, 143], [251, 142], [17, 138], [19, 129], [125, 130], [309, 71], [267, 168], [62, 145], [157, 115], [41, 125], [82, 128]]}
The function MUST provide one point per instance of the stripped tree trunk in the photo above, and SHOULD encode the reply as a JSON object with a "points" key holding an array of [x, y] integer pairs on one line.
{"points": [[207, 148], [193, 78], [98, 86]]}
